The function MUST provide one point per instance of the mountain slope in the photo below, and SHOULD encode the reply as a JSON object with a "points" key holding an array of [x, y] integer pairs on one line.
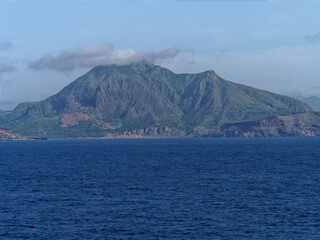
{"points": [[145, 99], [313, 102]]}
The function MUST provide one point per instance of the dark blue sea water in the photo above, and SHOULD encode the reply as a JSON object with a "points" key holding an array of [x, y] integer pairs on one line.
{"points": [[161, 189]]}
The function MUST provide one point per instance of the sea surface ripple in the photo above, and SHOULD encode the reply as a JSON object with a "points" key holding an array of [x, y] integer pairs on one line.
{"points": [[161, 189]]}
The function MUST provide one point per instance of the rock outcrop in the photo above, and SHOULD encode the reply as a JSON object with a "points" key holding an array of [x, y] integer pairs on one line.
{"points": [[6, 135], [153, 132], [299, 125]]}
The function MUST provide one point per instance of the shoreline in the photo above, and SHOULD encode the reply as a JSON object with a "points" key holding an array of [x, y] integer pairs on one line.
{"points": [[153, 138]]}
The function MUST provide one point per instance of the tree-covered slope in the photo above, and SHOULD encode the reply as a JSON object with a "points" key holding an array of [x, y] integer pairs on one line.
{"points": [[115, 100]]}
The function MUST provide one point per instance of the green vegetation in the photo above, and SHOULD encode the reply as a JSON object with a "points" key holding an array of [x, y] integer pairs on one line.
{"points": [[109, 100]]}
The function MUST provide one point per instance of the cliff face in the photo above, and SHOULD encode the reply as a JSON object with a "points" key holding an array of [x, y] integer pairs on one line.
{"points": [[148, 100], [6, 135], [299, 125], [154, 132]]}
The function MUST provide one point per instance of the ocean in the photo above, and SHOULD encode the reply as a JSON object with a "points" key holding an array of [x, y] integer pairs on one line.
{"points": [[261, 188]]}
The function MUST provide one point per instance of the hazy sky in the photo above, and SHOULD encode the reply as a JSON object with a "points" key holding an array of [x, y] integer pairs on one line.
{"points": [[44, 45]]}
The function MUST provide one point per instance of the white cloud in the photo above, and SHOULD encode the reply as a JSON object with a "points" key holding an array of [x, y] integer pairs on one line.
{"points": [[105, 54]]}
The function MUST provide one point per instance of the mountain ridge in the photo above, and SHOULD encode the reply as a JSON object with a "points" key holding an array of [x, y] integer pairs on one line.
{"points": [[123, 100]]}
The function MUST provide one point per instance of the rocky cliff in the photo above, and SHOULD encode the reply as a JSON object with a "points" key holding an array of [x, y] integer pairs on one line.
{"points": [[6, 135]]}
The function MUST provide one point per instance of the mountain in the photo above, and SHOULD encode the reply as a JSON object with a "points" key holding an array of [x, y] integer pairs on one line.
{"points": [[313, 102], [147, 100]]}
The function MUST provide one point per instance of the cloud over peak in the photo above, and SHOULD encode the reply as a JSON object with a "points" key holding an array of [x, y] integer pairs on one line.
{"points": [[104, 54]]}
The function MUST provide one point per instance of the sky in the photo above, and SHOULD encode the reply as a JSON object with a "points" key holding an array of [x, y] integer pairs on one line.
{"points": [[268, 44]]}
